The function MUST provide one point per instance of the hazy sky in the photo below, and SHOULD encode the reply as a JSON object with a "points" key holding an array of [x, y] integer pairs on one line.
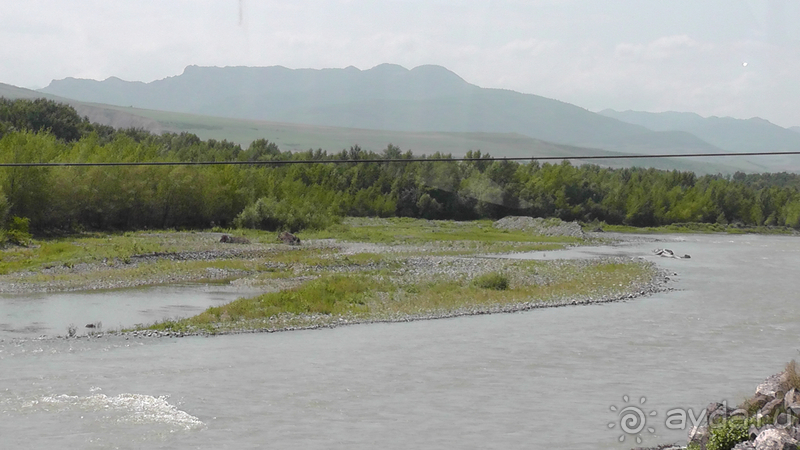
{"points": [[714, 57]]}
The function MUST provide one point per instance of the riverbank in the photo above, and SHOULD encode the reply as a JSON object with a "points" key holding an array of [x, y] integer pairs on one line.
{"points": [[400, 270], [766, 420]]}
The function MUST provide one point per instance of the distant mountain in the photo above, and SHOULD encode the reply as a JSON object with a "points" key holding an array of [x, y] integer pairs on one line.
{"points": [[300, 137], [795, 129], [103, 114], [386, 97], [727, 133]]}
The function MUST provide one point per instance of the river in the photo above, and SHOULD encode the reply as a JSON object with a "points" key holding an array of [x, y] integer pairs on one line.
{"points": [[545, 378]]}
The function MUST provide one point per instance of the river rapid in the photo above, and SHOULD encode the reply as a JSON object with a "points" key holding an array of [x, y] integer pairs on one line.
{"points": [[546, 378]]}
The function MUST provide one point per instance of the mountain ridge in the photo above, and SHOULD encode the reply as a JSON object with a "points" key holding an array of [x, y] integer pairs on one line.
{"points": [[301, 137], [387, 97], [732, 135]]}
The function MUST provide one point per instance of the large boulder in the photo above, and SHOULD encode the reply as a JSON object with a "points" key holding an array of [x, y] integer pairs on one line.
{"points": [[770, 407], [698, 435], [791, 401], [716, 412], [773, 386], [775, 439]]}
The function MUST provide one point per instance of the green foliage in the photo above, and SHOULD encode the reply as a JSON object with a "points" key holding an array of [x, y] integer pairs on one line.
{"points": [[726, 434], [335, 294], [369, 295], [42, 115], [3, 210], [291, 214], [315, 195], [18, 231], [492, 280]]}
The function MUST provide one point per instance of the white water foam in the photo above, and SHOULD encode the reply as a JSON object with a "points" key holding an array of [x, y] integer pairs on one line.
{"points": [[131, 408]]}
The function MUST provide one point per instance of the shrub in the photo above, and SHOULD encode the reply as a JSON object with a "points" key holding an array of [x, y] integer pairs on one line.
{"points": [[728, 433], [492, 280], [18, 231], [273, 215]]}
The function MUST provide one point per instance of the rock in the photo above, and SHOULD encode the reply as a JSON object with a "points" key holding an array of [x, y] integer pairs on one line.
{"points": [[746, 445], [538, 225], [772, 386], [717, 411], [758, 401], [785, 420], [289, 238], [753, 432], [791, 399], [770, 407], [233, 239], [775, 439], [699, 435]]}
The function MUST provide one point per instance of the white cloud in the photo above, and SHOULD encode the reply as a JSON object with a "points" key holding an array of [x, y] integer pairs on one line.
{"points": [[622, 54]]}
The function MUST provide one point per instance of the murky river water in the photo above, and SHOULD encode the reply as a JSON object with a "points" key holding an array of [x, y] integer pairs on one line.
{"points": [[540, 379], [26, 316]]}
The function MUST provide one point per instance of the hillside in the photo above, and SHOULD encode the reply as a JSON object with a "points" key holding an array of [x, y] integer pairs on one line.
{"points": [[103, 114], [299, 137], [727, 133], [386, 97]]}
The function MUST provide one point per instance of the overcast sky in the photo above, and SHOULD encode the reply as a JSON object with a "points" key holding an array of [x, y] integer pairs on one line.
{"points": [[715, 57]]}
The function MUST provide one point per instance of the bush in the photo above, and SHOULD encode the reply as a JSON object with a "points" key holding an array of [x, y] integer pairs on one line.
{"points": [[272, 215], [18, 231], [493, 280], [728, 433]]}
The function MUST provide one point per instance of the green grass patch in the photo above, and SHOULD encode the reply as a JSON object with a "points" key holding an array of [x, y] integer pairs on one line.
{"points": [[692, 227], [419, 231], [334, 297], [493, 280], [68, 251]]}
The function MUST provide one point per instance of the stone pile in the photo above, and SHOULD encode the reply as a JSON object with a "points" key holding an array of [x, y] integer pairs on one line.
{"points": [[777, 406], [538, 225]]}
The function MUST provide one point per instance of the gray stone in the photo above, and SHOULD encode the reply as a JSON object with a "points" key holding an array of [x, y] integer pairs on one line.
{"points": [[716, 412], [791, 398], [773, 386], [785, 420], [775, 439], [770, 407], [699, 435]]}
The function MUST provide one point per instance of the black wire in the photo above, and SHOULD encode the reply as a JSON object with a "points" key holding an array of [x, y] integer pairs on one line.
{"points": [[379, 160]]}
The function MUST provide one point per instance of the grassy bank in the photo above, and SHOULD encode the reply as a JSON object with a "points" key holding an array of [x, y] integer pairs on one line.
{"points": [[691, 227], [148, 258], [363, 270], [385, 295]]}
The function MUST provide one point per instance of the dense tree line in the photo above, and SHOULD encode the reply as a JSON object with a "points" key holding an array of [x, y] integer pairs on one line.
{"points": [[314, 195]]}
